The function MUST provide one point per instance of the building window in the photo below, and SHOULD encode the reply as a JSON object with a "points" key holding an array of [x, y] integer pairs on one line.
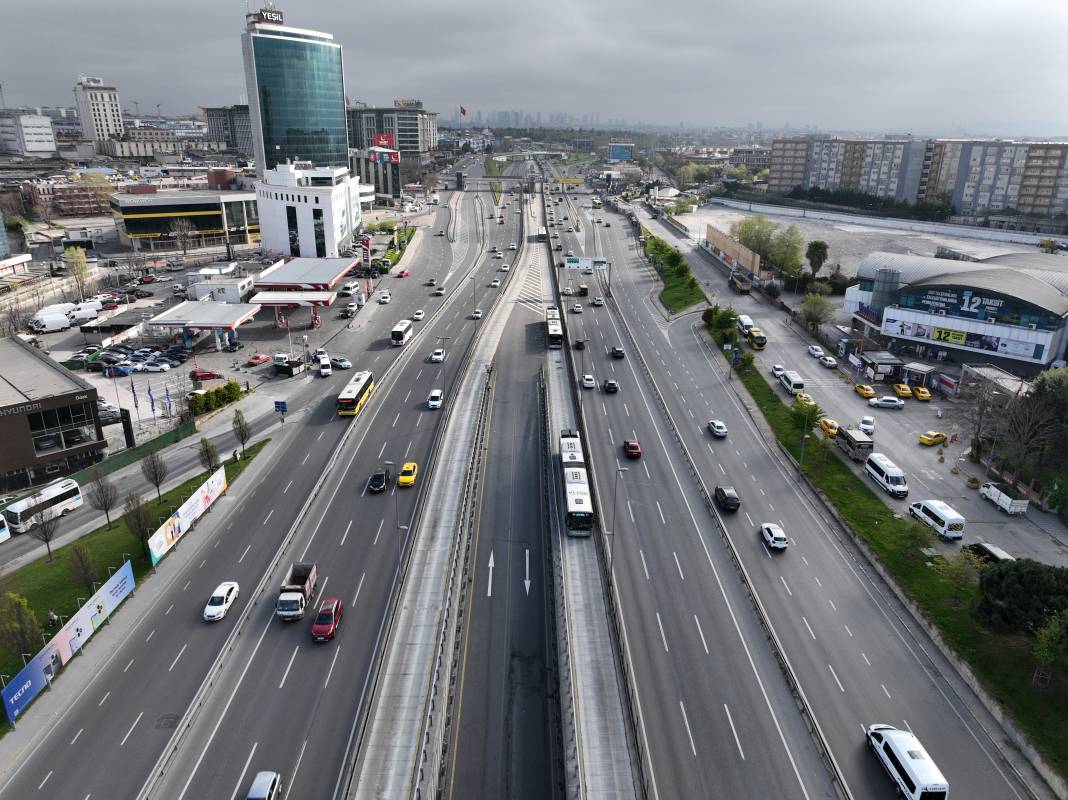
{"points": [[320, 233], [294, 233]]}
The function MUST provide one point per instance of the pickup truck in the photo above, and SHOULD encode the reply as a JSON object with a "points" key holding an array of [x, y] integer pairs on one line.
{"points": [[296, 591], [1004, 497]]}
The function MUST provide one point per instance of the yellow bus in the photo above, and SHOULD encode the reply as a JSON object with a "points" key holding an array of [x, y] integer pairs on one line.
{"points": [[355, 394], [757, 339]]}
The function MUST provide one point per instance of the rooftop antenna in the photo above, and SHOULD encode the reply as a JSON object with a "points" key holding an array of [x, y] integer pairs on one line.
{"points": [[2, 104]]}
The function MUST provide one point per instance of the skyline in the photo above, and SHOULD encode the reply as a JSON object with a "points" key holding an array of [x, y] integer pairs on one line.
{"points": [[949, 70]]}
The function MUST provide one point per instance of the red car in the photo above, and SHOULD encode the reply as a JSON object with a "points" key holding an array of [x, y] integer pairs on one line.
{"points": [[256, 359], [203, 375], [327, 620], [109, 306], [403, 273], [146, 279], [632, 448]]}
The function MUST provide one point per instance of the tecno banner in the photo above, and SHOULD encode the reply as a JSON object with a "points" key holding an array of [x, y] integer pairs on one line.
{"points": [[39, 672], [181, 521]]}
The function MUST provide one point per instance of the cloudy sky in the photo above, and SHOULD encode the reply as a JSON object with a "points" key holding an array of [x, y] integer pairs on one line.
{"points": [[947, 67]]}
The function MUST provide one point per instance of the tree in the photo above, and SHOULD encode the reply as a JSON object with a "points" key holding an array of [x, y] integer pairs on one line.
{"points": [[804, 416], [961, 570], [815, 310], [981, 405], [722, 323], [46, 212], [16, 317], [786, 253], [182, 231], [816, 253], [208, 454], [745, 361], [1026, 427], [1019, 595], [138, 518], [78, 269], [756, 233], [242, 430], [1051, 641], [155, 469], [103, 494], [82, 566], [20, 632], [45, 527]]}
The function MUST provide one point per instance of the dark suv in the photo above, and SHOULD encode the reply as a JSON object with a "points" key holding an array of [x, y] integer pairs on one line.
{"points": [[617, 352], [379, 481], [727, 499]]}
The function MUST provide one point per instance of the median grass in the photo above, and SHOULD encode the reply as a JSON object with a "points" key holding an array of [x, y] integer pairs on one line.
{"points": [[1003, 663], [495, 187], [495, 168], [681, 289], [48, 584], [404, 236]]}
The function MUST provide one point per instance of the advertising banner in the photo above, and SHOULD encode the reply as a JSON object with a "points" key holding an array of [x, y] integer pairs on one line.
{"points": [[181, 521], [383, 140], [38, 673]]}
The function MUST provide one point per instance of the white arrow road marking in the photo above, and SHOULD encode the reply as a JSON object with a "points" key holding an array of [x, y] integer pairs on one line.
{"points": [[489, 583]]}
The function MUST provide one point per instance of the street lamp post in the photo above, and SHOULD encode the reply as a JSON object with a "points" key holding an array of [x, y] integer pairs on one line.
{"points": [[615, 491], [396, 509]]}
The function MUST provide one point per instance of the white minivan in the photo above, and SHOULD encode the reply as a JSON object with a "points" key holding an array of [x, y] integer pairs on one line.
{"points": [[909, 766], [325, 370], [792, 382], [946, 522], [887, 474]]}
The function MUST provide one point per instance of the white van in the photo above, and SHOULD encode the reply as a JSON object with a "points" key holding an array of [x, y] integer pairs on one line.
{"points": [[325, 370], [907, 763], [887, 474], [349, 289], [744, 324], [96, 305], [792, 382], [80, 315], [946, 522], [50, 323]]}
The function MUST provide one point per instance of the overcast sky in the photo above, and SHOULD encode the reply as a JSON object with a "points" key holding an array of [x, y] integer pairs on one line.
{"points": [[947, 67]]}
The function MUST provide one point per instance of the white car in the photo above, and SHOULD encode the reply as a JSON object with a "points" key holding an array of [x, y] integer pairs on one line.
{"points": [[384, 299], [418, 315], [495, 283], [519, 211], [597, 301], [434, 401], [567, 290], [341, 362], [157, 366], [220, 601], [774, 536], [815, 351], [437, 356], [867, 425], [476, 314], [570, 229], [577, 308], [505, 267], [570, 253], [828, 362], [556, 235], [498, 255], [887, 401], [778, 370], [512, 245], [717, 428], [588, 382]]}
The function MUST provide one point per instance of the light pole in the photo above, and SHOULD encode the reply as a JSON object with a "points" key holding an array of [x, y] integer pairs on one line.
{"points": [[396, 509], [615, 492], [474, 302], [805, 438]]}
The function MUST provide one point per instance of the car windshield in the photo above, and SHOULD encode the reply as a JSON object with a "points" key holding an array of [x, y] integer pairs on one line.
{"points": [[324, 618], [216, 600]]}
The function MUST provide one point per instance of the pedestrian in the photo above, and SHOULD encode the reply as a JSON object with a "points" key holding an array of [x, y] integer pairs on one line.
{"points": [[52, 618], [235, 456], [247, 389]]}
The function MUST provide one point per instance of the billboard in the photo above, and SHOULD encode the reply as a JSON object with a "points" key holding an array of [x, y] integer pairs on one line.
{"points": [[42, 668], [620, 151], [383, 140], [181, 521], [1001, 345]]}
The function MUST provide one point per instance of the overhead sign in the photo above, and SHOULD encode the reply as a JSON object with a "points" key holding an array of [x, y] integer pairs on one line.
{"points": [[575, 262]]}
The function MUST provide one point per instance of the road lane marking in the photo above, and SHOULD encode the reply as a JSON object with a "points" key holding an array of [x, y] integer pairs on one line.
{"points": [[677, 564], [817, 580], [244, 554], [833, 606], [42, 783], [269, 513], [103, 699], [150, 635], [787, 588], [320, 436], [661, 512], [721, 468], [380, 452], [848, 631], [244, 769], [737, 741], [395, 419], [305, 461], [330, 672], [885, 692], [128, 665], [127, 736], [701, 633], [751, 523], [663, 638], [186, 585], [686, 722], [862, 655], [202, 563], [287, 487], [171, 667], [79, 733], [407, 396], [356, 596], [169, 608], [645, 567], [345, 535], [288, 667], [381, 522], [809, 628], [631, 512], [835, 676]]}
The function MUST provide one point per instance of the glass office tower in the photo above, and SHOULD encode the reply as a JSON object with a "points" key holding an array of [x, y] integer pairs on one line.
{"points": [[296, 91]]}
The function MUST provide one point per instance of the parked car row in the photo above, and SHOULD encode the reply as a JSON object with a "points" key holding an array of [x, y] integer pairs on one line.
{"points": [[120, 360]]}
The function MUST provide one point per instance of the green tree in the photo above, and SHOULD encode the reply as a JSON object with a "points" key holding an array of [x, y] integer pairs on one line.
{"points": [[816, 253], [804, 416], [745, 361], [815, 310], [20, 632], [961, 570], [756, 233], [1019, 595], [786, 253], [1051, 641], [78, 269], [242, 429], [208, 454]]}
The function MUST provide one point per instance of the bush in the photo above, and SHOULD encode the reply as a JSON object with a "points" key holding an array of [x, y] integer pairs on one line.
{"points": [[707, 315], [772, 290], [839, 282], [1020, 595]]}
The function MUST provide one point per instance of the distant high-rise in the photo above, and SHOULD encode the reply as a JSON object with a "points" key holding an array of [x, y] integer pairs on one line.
{"points": [[231, 124], [296, 91], [99, 110]]}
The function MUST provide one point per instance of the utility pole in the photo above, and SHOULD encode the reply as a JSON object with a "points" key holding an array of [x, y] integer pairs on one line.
{"points": [[615, 491]]}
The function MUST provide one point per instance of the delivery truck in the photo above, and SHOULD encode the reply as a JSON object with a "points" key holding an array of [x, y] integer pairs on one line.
{"points": [[295, 594], [1004, 497]]}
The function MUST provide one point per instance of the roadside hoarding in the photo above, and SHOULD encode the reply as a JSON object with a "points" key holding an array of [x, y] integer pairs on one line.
{"points": [[181, 521]]}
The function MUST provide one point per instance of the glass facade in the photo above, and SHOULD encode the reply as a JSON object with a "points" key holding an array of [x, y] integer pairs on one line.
{"points": [[62, 428], [300, 87]]}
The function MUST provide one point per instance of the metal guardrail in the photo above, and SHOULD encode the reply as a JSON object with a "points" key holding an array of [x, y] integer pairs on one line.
{"points": [[763, 618]]}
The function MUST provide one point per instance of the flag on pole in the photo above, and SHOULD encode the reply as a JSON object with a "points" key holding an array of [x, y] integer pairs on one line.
{"points": [[170, 405], [133, 391], [463, 111], [151, 400]]}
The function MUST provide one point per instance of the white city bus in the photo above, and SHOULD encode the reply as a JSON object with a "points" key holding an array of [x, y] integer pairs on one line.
{"points": [[401, 333], [57, 498], [579, 516]]}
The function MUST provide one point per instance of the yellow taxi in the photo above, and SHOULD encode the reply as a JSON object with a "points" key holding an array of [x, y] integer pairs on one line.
{"points": [[406, 477], [902, 389], [829, 427], [931, 438], [804, 399], [864, 390], [921, 393]]}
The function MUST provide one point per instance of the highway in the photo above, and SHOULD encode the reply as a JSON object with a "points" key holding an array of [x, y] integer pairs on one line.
{"points": [[268, 704], [857, 655]]}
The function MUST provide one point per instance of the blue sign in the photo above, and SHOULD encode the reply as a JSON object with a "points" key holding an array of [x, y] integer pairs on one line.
{"points": [[29, 683], [280, 406]]}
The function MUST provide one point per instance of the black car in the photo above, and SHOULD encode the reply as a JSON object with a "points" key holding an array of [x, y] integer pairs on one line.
{"points": [[727, 498], [233, 347], [610, 386], [141, 294], [617, 352], [380, 481]]}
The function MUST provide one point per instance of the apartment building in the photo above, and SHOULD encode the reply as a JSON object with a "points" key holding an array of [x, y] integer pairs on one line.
{"points": [[788, 165], [27, 135], [99, 110]]}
